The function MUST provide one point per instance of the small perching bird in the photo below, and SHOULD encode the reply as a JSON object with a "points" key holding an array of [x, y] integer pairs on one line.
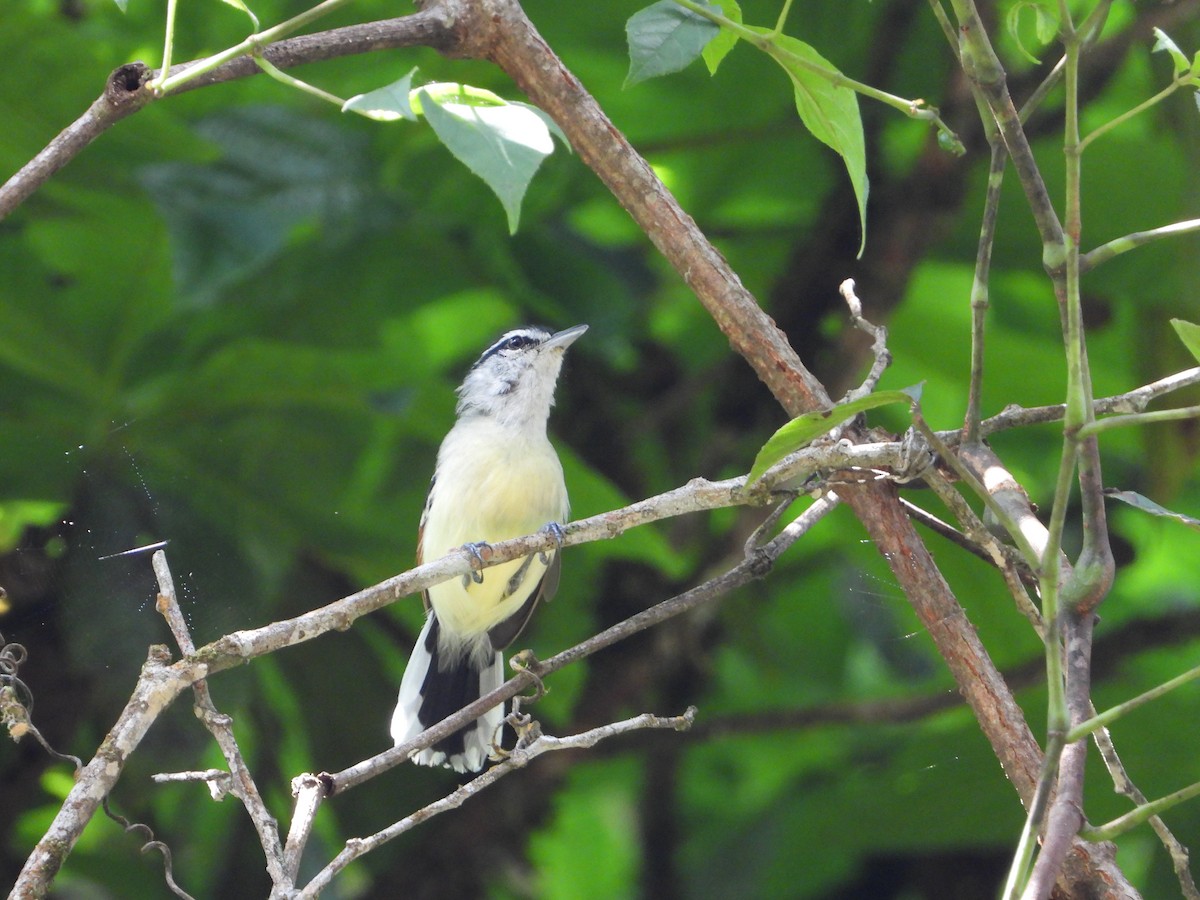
{"points": [[497, 477]]}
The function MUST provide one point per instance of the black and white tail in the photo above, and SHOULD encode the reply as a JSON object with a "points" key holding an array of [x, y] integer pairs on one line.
{"points": [[435, 687]]}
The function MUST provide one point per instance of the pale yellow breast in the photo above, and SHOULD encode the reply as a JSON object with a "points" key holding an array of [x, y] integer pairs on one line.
{"points": [[491, 485]]}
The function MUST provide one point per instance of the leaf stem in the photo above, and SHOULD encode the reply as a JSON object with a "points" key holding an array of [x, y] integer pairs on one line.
{"points": [[166, 83], [1159, 415], [766, 42], [1136, 817], [1104, 719], [782, 20], [291, 81], [169, 38], [1184, 79], [1117, 246]]}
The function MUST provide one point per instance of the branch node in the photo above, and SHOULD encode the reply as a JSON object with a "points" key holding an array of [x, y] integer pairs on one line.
{"points": [[124, 85]]}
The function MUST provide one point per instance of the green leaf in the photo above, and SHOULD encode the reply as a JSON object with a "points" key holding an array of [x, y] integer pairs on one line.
{"points": [[827, 110], [278, 174], [802, 430], [1178, 59], [1145, 504], [503, 145], [1189, 333], [452, 92], [551, 125], [663, 38], [385, 104], [1045, 26], [718, 48]]}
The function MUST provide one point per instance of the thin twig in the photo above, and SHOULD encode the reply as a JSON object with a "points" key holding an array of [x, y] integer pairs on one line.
{"points": [[879, 349], [517, 759], [1117, 246], [980, 297], [220, 726], [1124, 785]]}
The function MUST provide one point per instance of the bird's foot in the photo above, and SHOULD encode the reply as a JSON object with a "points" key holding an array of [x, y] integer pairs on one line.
{"points": [[476, 551], [525, 663], [555, 530]]}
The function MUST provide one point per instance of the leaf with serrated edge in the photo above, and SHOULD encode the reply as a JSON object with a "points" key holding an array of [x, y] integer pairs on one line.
{"points": [[503, 145], [663, 38], [386, 104], [1145, 504], [829, 112], [718, 48], [1189, 333], [803, 430]]}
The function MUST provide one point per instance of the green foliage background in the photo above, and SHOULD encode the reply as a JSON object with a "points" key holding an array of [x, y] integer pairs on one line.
{"points": [[236, 321]]}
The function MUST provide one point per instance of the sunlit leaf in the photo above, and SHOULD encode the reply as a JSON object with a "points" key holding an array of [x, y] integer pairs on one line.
{"points": [[1145, 504], [1178, 59], [385, 104], [503, 145], [803, 430], [663, 38], [827, 110], [551, 125], [718, 48], [452, 92], [1189, 333]]}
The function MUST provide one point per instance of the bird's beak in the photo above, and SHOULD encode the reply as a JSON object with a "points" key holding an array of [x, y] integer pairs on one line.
{"points": [[563, 339]]}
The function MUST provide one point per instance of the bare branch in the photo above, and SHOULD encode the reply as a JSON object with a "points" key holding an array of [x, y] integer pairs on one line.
{"points": [[1116, 247], [126, 90], [220, 726], [157, 687], [517, 759], [878, 333]]}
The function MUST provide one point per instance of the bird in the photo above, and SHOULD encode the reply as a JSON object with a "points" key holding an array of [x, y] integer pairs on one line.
{"points": [[496, 477]]}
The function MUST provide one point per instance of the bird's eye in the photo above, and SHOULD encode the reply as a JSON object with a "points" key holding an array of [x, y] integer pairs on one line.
{"points": [[519, 342]]}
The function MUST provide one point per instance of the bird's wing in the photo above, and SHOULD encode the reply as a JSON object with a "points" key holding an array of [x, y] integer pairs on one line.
{"points": [[510, 629]]}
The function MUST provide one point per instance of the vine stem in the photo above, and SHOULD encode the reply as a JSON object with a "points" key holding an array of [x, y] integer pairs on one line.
{"points": [[1182, 80], [766, 41], [254, 42]]}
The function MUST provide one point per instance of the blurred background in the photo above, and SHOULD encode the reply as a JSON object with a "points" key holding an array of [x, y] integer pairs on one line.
{"points": [[236, 321]]}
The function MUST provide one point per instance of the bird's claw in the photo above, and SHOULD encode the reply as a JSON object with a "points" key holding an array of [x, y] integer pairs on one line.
{"points": [[525, 663], [555, 530], [528, 728], [475, 551]]}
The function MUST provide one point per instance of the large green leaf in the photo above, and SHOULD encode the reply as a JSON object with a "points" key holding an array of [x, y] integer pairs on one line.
{"points": [[663, 38], [503, 145], [828, 110]]}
